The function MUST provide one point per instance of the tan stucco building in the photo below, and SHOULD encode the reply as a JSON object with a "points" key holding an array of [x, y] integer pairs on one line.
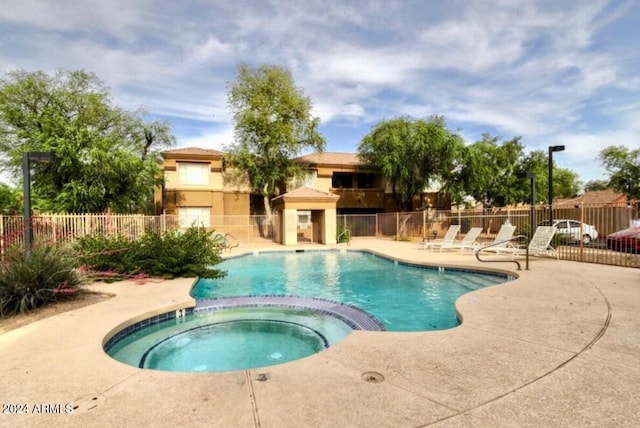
{"points": [[197, 184], [198, 188]]}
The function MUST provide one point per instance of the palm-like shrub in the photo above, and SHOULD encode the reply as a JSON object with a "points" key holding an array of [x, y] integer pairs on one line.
{"points": [[48, 275]]}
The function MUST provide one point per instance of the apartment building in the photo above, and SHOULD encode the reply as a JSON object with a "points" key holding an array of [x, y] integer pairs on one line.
{"points": [[361, 189], [198, 187]]}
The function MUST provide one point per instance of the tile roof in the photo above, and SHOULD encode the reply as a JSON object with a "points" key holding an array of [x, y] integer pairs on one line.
{"points": [[191, 151], [331, 158], [596, 197]]}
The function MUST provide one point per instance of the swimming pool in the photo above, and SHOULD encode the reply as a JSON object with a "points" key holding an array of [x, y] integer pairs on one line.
{"points": [[276, 307], [404, 297]]}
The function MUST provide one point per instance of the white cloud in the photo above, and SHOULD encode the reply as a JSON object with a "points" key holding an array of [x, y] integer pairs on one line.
{"points": [[545, 70], [115, 16], [216, 139]]}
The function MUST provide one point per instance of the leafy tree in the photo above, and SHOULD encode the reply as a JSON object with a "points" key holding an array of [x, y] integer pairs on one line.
{"points": [[273, 124], [624, 166], [411, 154], [565, 182], [106, 157], [488, 172], [10, 200], [593, 185], [490, 168]]}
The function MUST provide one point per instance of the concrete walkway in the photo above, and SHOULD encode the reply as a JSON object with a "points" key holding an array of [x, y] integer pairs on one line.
{"points": [[559, 346]]}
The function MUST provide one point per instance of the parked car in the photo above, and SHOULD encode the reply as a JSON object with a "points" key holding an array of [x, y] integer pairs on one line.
{"points": [[574, 230], [625, 240]]}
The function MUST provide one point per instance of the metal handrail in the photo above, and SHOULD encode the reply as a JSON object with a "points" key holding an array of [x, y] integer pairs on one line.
{"points": [[224, 242], [231, 244], [493, 244]]}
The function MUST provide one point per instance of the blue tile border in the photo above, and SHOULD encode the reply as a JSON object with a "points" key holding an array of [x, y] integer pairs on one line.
{"points": [[145, 323]]}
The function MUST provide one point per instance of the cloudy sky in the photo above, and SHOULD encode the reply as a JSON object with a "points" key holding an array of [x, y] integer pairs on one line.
{"points": [[553, 72]]}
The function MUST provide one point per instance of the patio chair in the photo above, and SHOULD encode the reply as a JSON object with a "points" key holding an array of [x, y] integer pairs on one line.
{"points": [[501, 240], [540, 244], [469, 241], [448, 238]]}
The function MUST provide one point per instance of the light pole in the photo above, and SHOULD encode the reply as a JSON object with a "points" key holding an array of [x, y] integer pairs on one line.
{"points": [[27, 158], [551, 150]]}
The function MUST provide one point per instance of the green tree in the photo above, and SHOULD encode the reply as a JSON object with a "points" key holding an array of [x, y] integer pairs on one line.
{"points": [[593, 185], [411, 154], [106, 157], [273, 124], [488, 172], [624, 166], [10, 200], [565, 181]]}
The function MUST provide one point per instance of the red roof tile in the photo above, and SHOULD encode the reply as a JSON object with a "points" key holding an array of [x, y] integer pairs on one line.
{"points": [[596, 197]]}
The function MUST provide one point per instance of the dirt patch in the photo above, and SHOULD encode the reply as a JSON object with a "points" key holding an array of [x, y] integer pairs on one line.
{"points": [[85, 298]]}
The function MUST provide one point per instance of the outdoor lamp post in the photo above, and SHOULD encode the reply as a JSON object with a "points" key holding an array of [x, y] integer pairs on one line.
{"points": [[27, 158], [551, 150]]}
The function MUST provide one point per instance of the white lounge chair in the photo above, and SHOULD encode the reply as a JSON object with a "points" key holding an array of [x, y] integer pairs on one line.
{"points": [[501, 240], [469, 241], [448, 238], [540, 244]]}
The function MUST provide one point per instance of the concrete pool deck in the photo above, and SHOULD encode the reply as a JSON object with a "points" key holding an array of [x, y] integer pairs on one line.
{"points": [[559, 346]]}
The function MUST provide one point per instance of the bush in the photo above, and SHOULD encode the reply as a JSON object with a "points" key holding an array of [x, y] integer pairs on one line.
{"points": [[107, 254], [49, 275], [169, 255], [342, 235], [561, 239]]}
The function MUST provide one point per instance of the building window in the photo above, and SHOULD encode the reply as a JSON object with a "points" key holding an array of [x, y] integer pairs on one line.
{"points": [[366, 181], [194, 216], [304, 219], [310, 179], [341, 180], [193, 174]]}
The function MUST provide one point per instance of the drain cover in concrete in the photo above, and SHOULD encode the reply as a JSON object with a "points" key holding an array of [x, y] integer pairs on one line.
{"points": [[88, 402], [372, 377]]}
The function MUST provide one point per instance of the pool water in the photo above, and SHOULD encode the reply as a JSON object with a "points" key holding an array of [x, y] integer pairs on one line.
{"points": [[230, 339], [403, 297]]}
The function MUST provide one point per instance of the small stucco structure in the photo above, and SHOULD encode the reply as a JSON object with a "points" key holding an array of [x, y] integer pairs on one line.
{"points": [[323, 215]]}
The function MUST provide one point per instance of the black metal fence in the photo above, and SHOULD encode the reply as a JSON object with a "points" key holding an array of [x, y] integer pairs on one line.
{"points": [[589, 228]]}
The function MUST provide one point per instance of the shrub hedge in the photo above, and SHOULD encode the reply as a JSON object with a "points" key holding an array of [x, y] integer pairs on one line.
{"points": [[169, 255]]}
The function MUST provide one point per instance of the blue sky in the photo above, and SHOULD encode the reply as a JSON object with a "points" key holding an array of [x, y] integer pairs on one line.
{"points": [[551, 72]]}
